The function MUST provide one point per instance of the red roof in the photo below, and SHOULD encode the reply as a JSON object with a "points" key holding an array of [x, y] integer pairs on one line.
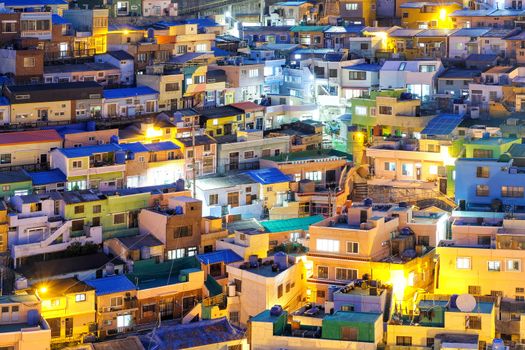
{"points": [[248, 106], [36, 136]]}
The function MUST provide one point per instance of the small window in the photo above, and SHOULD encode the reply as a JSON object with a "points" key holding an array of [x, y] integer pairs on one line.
{"points": [[119, 219], [482, 190], [80, 297], [79, 209], [97, 209], [322, 272], [352, 247], [404, 341], [494, 265], [279, 291], [463, 263], [513, 265], [482, 171], [213, 199]]}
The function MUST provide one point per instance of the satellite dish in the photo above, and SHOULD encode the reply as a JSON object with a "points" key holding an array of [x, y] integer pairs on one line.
{"points": [[466, 302]]}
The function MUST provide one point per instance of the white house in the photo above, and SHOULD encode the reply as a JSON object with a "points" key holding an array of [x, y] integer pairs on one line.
{"points": [[358, 79], [129, 102], [232, 194], [465, 42], [418, 77], [122, 60]]}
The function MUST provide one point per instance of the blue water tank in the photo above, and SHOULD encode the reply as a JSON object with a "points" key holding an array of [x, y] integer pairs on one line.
{"points": [[114, 139], [131, 156], [331, 290], [276, 310], [368, 202], [453, 301], [91, 125], [498, 344], [486, 135], [120, 157], [177, 117], [180, 185], [33, 318], [179, 210], [281, 260]]}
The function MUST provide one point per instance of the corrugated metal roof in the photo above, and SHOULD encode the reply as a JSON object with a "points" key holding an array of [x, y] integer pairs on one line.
{"points": [[291, 224], [34, 136], [110, 285], [86, 151], [47, 177], [161, 146], [268, 176], [226, 256], [129, 92]]}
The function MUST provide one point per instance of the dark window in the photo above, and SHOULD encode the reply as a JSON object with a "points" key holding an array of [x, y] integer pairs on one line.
{"points": [[77, 225], [482, 153], [482, 171], [321, 294], [472, 322], [182, 231], [79, 209], [403, 341], [279, 291]]}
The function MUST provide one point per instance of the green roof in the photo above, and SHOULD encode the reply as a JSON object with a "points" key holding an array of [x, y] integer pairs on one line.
{"points": [[291, 224], [213, 286], [307, 155], [346, 316], [309, 28], [492, 141], [150, 274]]}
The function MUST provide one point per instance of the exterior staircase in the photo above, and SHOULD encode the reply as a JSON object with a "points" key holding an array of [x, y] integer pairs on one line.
{"points": [[196, 312], [360, 191]]}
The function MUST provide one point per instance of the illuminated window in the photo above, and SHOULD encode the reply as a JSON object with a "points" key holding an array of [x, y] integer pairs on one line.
{"points": [[463, 263]]}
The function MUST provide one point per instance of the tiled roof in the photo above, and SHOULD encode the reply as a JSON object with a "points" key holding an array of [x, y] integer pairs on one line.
{"points": [[34, 136]]}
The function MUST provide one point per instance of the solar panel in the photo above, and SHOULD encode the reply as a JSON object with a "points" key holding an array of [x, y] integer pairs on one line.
{"points": [[443, 124]]}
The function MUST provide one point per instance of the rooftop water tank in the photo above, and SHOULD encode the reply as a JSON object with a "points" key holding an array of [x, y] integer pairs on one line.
{"points": [[331, 290], [281, 260], [120, 157], [114, 139], [33, 318], [368, 202], [180, 185], [276, 310], [145, 253], [91, 125]]}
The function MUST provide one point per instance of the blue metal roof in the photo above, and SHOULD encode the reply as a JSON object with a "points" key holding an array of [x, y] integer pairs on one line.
{"points": [[86, 151], [134, 147], [218, 52], [226, 256], [12, 3], [368, 67], [161, 146], [268, 176], [56, 19], [290, 3], [187, 57], [4, 101], [443, 124], [129, 92], [47, 177], [110, 285]]}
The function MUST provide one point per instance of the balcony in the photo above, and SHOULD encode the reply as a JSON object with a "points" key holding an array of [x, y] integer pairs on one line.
{"points": [[128, 304], [97, 170]]}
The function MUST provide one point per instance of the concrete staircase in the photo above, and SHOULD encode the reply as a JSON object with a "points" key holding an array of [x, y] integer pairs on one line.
{"points": [[196, 312], [360, 191]]}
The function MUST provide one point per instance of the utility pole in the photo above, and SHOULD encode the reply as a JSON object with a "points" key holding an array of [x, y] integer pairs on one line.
{"points": [[193, 158]]}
